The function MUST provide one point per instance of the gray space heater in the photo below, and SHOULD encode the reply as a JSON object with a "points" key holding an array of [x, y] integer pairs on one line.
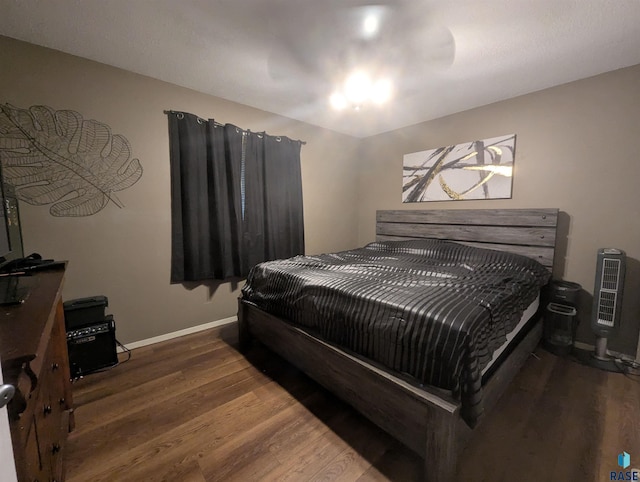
{"points": [[607, 303]]}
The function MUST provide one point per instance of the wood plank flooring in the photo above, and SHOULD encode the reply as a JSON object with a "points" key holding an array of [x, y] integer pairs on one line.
{"points": [[194, 409]]}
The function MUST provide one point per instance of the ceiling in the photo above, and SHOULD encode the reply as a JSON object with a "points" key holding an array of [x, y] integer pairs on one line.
{"points": [[287, 56]]}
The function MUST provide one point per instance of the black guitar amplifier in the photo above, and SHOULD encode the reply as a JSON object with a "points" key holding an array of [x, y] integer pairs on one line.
{"points": [[84, 311], [92, 347]]}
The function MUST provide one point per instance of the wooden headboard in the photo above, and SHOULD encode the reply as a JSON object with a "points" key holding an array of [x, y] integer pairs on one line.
{"points": [[529, 232]]}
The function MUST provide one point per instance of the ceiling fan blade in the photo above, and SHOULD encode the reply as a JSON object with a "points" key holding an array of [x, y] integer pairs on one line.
{"points": [[329, 39]]}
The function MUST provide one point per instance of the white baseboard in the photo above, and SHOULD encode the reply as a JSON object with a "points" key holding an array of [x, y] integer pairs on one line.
{"points": [[232, 319], [179, 333], [587, 347]]}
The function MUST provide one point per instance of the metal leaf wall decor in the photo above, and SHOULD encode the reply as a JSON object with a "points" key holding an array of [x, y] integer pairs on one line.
{"points": [[56, 157]]}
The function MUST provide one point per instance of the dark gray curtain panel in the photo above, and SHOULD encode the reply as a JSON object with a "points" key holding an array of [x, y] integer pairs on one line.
{"points": [[283, 211], [274, 226], [236, 199]]}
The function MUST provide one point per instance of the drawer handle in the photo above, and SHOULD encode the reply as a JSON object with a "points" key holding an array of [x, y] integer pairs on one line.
{"points": [[54, 367], [55, 449], [6, 394], [61, 401], [46, 409]]}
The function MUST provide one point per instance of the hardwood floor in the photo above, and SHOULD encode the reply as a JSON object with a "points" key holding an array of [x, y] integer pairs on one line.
{"points": [[194, 409]]}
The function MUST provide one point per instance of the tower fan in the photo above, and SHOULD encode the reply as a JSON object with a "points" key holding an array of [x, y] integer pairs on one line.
{"points": [[607, 304]]}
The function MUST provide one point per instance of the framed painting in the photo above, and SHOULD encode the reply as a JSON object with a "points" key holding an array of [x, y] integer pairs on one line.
{"points": [[472, 170]]}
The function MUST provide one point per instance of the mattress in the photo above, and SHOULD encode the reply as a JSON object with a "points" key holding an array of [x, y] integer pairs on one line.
{"points": [[529, 313], [428, 309]]}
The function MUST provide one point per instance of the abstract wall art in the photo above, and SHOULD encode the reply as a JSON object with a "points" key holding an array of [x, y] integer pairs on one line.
{"points": [[55, 157], [480, 169]]}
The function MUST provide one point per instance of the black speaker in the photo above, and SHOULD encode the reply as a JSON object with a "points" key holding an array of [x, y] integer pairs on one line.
{"points": [[84, 311], [92, 347]]}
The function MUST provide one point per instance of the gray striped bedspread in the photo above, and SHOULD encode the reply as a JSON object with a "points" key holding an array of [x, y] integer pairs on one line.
{"points": [[433, 310]]}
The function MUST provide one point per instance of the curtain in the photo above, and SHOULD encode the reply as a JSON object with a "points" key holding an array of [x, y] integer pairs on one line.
{"points": [[236, 199], [283, 198]]}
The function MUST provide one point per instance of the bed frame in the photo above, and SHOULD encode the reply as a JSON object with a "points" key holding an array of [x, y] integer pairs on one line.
{"points": [[426, 419]]}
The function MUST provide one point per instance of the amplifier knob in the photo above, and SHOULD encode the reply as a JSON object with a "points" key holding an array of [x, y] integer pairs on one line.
{"points": [[46, 409]]}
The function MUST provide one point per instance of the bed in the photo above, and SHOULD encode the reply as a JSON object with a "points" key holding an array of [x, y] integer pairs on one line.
{"points": [[435, 420]]}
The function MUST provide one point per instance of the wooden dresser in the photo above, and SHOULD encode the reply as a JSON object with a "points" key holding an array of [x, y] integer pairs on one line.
{"points": [[33, 348]]}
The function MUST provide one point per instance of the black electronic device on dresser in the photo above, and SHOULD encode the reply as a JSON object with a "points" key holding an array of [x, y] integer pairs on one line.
{"points": [[10, 233], [14, 289], [91, 335]]}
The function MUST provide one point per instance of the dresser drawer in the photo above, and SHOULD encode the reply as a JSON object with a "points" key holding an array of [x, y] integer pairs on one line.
{"points": [[37, 364], [35, 467], [51, 413]]}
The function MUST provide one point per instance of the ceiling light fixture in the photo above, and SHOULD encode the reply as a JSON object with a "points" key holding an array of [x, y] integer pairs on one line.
{"points": [[358, 89], [370, 26]]}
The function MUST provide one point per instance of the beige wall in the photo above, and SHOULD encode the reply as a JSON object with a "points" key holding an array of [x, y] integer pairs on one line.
{"points": [[576, 149], [125, 253]]}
